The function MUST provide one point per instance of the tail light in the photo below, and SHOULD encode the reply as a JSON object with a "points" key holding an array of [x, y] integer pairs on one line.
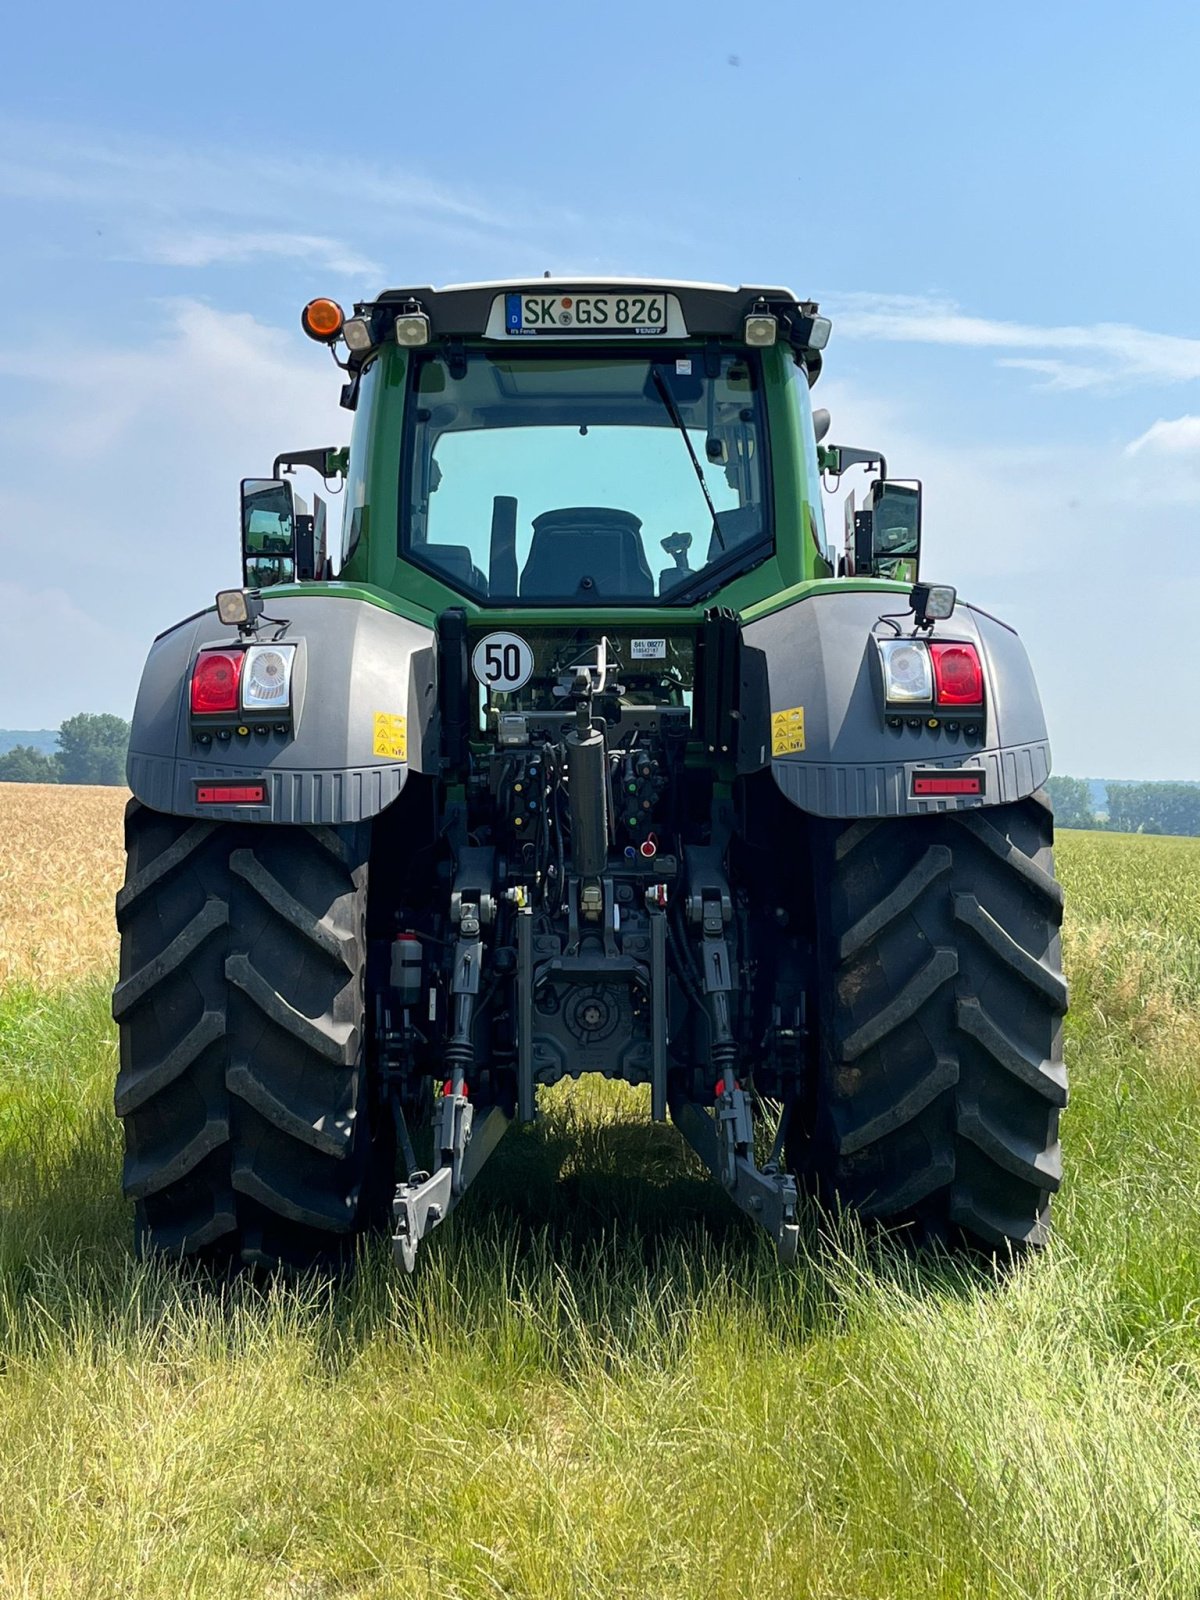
{"points": [[216, 677], [957, 674], [243, 682], [934, 673]]}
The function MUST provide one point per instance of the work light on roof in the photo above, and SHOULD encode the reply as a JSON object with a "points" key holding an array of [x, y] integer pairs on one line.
{"points": [[818, 336], [357, 334], [412, 329], [761, 328]]}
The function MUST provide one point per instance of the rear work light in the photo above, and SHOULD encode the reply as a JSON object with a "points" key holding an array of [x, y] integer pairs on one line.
{"points": [[215, 681], [957, 674]]}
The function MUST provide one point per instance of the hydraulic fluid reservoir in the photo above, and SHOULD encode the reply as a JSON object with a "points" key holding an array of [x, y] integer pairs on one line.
{"points": [[587, 772]]}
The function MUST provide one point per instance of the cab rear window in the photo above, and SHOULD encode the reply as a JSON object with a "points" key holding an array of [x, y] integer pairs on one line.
{"points": [[609, 479]]}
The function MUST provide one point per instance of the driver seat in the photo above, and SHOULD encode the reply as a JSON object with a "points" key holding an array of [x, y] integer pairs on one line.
{"points": [[599, 543]]}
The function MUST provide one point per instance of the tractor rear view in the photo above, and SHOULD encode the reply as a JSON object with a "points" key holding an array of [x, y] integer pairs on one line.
{"points": [[584, 751]]}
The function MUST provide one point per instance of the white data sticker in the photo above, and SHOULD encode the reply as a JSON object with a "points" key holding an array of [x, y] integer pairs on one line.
{"points": [[503, 662], [683, 367], [648, 649]]}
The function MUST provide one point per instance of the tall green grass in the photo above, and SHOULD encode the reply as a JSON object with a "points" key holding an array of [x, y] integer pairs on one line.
{"points": [[599, 1384]]}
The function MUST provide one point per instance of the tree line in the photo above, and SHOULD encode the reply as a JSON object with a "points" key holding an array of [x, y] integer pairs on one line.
{"points": [[91, 749], [1131, 807]]}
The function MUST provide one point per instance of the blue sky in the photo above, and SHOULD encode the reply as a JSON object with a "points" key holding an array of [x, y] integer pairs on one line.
{"points": [[996, 205]]}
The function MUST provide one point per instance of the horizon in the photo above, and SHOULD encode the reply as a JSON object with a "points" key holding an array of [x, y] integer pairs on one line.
{"points": [[10, 737]]}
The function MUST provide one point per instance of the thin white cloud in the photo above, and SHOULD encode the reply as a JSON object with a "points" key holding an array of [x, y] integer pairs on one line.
{"points": [[1179, 436], [1105, 354], [221, 377], [1066, 376], [141, 192], [223, 249], [53, 162]]}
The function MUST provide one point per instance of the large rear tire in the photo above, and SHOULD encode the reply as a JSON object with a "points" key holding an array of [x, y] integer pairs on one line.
{"points": [[243, 1039], [940, 1075]]}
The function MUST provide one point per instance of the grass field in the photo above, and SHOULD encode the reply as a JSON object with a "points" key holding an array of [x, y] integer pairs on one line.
{"points": [[596, 1386]]}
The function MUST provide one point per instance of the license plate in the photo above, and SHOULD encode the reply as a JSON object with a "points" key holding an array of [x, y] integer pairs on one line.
{"points": [[642, 313]]}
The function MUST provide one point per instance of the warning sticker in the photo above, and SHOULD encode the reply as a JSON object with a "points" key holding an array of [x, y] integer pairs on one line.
{"points": [[787, 731], [391, 736]]}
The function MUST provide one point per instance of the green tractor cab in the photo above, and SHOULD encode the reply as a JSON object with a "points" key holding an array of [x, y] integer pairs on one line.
{"points": [[583, 748]]}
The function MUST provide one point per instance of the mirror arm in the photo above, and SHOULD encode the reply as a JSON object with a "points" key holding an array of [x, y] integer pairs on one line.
{"points": [[330, 462], [836, 458]]}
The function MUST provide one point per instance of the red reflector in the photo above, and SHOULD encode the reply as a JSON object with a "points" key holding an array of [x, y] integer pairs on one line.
{"points": [[957, 674], [231, 794], [956, 783], [215, 679]]}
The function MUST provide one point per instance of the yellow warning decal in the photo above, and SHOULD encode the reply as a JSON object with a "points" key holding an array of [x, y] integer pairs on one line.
{"points": [[391, 736], [787, 731]]}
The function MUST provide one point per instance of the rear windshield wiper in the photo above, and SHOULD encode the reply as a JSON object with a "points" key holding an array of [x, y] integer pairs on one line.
{"points": [[664, 395]]}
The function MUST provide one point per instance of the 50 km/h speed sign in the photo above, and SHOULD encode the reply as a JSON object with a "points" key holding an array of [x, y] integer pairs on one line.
{"points": [[502, 661]]}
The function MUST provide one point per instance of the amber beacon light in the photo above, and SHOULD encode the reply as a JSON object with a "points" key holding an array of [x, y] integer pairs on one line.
{"points": [[322, 320]]}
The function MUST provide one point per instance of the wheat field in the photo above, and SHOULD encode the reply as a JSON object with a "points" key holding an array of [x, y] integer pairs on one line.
{"points": [[599, 1385], [61, 862]]}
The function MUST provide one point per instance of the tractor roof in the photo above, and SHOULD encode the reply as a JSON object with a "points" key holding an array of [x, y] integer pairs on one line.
{"points": [[712, 309]]}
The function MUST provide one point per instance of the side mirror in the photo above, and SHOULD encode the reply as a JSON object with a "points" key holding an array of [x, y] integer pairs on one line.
{"points": [[268, 532], [895, 529]]}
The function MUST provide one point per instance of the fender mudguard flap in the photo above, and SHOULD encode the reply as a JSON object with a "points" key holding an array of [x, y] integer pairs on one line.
{"points": [[354, 662], [820, 657]]}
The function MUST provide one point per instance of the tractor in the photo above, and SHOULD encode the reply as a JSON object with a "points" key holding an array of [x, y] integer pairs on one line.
{"points": [[584, 748]]}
